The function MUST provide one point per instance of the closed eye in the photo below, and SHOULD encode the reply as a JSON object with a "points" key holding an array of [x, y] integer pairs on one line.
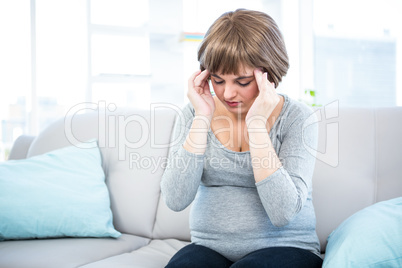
{"points": [[244, 85], [218, 82]]}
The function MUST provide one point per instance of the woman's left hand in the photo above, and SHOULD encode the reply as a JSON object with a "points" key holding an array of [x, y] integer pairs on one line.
{"points": [[265, 102]]}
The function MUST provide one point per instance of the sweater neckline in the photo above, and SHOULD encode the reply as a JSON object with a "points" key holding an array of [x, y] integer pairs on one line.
{"points": [[285, 104]]}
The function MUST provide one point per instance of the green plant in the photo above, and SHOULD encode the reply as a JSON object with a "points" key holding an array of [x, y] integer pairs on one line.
{"points": [[310, 98]]}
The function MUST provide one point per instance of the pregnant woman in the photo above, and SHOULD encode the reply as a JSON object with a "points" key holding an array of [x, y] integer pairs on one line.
{"points": [[247, 172]]}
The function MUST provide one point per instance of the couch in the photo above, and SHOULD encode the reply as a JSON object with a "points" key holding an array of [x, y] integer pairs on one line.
{"points": [[358, 164]]}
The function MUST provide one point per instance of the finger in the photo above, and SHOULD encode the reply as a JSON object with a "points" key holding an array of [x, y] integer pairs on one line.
{"points": [[267, 82], [195, 74], [271, 85], [200, 80], [192, 77], [206, 88], [261, 78]]}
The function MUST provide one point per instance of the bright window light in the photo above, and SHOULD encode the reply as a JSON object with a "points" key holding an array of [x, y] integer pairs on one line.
{"points": [[122, 94], [127, 13], [112, 54]]}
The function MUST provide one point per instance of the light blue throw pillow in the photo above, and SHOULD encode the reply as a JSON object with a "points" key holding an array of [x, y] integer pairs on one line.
{"points": [[372, 237], [58, 194]]}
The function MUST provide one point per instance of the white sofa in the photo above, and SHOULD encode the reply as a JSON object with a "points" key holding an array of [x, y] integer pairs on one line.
{"points": [[359, 163]]}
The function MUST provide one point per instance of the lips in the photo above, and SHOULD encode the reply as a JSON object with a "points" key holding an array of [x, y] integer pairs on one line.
{"points": [[232, 104]]}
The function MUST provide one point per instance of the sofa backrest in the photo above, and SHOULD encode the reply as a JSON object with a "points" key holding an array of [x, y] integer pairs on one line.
{"points": [[359, 162], [134, 146]]}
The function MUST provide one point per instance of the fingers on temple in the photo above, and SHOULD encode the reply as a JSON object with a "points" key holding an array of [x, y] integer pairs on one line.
{"points": [[201, 78]]}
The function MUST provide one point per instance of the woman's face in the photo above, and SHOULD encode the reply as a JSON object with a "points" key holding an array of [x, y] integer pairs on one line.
{"points": [[236, 92]]}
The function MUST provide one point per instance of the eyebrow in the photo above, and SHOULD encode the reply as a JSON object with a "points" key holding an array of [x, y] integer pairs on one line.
{"points": [[238, 78]]}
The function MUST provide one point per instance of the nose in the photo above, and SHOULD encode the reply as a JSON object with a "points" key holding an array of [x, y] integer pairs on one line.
{"points": [[230, 92]]}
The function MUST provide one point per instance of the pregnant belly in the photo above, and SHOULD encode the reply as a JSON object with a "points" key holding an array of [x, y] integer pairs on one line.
{"points": [[228, 210]]}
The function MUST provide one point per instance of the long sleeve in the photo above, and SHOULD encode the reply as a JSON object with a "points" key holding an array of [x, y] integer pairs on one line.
{"points": [[284, 193], [183, 172]]}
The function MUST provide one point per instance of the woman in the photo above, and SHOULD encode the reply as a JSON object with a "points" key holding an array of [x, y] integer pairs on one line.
{"points": [[240, 156]]}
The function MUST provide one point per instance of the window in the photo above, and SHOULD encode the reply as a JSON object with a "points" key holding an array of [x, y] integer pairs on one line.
{"points": [[63, 53], [15, 71], [58, 54], [358, 52], [119, 59]]}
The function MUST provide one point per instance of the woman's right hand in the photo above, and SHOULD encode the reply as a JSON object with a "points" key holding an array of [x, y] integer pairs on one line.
{"points": [[199, 94]]}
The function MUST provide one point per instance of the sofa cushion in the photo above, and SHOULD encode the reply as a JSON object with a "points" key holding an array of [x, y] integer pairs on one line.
{"points": [[57, 194], [155, 255], [65, 252], [371, 237]]}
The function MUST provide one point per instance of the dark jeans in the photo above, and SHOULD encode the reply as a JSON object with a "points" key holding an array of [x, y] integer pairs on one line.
{"points": [[194, 256]]}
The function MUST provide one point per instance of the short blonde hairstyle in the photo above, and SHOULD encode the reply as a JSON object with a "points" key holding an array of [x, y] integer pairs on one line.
{"points": [[244, 38]]}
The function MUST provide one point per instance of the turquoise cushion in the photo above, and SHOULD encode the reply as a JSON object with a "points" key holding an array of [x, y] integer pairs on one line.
{"points": [[58, 194], [371, 237]]}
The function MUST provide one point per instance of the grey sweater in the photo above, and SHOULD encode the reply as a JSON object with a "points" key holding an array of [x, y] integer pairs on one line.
{"points": [[232, 214]]}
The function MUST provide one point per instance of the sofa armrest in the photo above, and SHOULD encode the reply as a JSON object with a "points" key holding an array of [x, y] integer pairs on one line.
{"points": [[20, 147]]}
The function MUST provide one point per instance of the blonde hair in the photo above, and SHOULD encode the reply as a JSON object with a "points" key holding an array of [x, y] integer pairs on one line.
{"points": [[244, 38]]}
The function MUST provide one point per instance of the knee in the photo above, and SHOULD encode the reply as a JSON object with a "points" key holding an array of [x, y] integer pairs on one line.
{"points": [[249, 263], [195, 256], [182, 258], [178, 263]]}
